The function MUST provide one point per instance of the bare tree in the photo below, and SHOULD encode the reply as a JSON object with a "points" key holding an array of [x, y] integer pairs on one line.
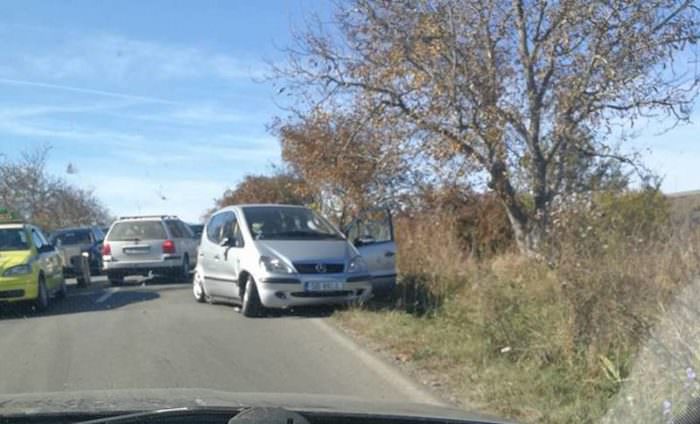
{"points": [[48, 201], [513, 89]]}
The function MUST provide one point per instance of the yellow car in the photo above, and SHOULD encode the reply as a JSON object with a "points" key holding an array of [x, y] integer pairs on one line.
{"points": [[30, 268]]}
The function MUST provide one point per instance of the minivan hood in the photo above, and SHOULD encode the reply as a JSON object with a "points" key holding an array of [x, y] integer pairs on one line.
{"points": [[306, 250]]}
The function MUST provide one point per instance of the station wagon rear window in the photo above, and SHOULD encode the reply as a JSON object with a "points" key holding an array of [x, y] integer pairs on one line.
{"points": [[72, 237], [137, 230]]}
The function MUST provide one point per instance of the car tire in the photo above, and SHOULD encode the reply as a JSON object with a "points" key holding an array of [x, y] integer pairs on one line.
{"points": [[42, 298], [84, 280], [198, 291], [251, 306], [183, 273], [62, 290], [115, 279]]}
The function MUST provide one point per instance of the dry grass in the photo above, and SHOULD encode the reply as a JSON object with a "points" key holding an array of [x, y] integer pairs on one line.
{"points": [[541, 342]]}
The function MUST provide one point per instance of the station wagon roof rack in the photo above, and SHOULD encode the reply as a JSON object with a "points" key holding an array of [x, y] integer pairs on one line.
{"points": [[150, 216]]}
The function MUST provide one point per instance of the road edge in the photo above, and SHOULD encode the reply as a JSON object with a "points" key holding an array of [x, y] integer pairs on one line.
{"points": [[412, 389]]}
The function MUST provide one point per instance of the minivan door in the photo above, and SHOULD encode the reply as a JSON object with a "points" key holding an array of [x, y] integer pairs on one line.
{"points": [[210, 255], [230, 247], [372, 233]]}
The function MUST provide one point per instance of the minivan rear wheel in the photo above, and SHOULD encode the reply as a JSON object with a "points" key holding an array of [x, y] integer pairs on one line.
{"points": [[198, 288], [252, 307]]}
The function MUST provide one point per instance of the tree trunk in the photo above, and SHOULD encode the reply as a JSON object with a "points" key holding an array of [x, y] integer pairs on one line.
{"points": [[529, 230], [529, 235]]}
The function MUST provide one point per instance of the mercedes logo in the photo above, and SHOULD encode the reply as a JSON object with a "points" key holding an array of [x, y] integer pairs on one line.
{"points": [[320, 268]]}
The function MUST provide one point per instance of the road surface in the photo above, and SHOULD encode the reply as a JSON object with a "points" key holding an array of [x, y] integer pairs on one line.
{"points": [[154, 335]]}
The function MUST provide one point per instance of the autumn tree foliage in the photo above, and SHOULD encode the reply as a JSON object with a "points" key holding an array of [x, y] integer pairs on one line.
{"points": [[527, 93], [281, 187], [351, 163]]}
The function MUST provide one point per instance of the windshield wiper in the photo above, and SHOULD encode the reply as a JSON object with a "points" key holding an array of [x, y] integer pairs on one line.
{"points": [[254, 415]]}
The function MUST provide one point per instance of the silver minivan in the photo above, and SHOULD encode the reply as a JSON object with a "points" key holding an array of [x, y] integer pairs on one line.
{"points": [[277, 256], [140, 245]]}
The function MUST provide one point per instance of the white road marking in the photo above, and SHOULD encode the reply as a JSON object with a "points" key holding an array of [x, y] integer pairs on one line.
{"points": [[110, 291], [402, 382]]}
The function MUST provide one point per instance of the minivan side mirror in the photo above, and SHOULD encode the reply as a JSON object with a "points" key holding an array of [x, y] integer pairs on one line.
{"points": [[225, 242]]}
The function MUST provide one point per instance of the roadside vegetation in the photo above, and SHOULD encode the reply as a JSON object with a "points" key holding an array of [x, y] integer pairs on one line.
{"points": [[548, 341], [538, 260]]}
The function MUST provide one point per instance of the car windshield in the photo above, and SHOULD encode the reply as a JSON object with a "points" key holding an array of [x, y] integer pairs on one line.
{"points": [[137, 230], [72, 237], [13, 239], [288, 223]]}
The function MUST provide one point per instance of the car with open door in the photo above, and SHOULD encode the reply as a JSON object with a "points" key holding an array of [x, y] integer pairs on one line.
{"points": [[277, 256], [81, 249], [372, 234]]}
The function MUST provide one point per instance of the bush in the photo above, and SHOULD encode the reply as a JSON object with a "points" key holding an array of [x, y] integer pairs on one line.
{"points": [[558, 340]]}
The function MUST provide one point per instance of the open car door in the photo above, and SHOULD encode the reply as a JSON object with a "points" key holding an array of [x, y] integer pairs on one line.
{"points": [[372, 233]]}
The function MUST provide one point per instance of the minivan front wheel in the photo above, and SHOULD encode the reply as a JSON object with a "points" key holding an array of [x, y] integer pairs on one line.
{"points": [[252, 307]]}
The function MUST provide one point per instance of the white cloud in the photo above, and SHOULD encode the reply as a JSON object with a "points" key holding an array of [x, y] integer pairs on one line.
{"points": [[80, 90], [117, 58], [47, 131]]}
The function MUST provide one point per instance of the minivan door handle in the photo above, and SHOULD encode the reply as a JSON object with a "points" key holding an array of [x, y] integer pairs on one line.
{"points": [[217, 257]]}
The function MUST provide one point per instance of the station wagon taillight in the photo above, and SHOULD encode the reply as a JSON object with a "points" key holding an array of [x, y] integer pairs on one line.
{"points": [[106, 249], [168, 246]]}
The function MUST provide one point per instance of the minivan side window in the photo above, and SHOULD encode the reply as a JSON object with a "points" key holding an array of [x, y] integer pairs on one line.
{"points": [[230, 228], [214, 228], [375, 227]]}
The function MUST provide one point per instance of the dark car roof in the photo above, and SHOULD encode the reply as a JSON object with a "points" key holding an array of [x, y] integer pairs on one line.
{"points": [[66, 230]]}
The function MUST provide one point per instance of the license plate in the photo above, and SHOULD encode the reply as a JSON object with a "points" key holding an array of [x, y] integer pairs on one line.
{"points": [[136, 250], [313, 286]]}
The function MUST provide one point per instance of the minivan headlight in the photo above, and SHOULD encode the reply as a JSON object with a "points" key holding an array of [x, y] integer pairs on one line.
{"points": [[17, 270], [275, 265], [357, 264]]}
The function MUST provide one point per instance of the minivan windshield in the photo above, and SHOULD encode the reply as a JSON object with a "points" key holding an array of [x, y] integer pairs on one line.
{"points": [[67, 238], [288, 223], [13, 239], [137, 230]]}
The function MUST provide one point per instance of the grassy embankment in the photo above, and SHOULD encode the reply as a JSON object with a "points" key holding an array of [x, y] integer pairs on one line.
{"points": [[583, 337]]}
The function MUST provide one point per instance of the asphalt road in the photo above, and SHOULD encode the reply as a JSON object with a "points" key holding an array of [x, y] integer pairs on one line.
{"points": [[154, 335]]}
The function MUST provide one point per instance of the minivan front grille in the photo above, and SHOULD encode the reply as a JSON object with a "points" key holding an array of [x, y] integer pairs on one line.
{"points": [[319, 268]]}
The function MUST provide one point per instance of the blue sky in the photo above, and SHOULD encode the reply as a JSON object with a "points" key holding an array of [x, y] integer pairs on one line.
{"points": [[159, 104]]}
